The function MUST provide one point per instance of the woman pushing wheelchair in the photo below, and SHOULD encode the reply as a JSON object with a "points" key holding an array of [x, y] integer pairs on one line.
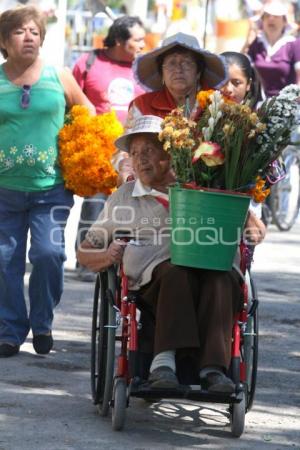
{"points": [[193, 308]]}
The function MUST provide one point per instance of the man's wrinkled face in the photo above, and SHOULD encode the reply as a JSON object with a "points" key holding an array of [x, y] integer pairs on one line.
{"points": [[150, 162]]}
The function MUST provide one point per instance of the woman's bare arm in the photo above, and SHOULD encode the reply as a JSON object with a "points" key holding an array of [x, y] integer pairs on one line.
{"points": [[73, 93]]}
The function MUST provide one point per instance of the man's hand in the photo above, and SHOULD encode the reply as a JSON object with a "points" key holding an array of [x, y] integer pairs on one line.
{"points": [[98, 259], [125, 171], [115, 252]]}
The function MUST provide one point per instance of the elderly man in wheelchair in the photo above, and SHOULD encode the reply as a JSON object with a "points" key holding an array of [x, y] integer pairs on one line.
{"points": [[194, 309]]}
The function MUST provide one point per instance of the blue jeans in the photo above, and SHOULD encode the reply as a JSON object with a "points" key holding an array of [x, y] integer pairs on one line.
{"points": [[45, 214]]}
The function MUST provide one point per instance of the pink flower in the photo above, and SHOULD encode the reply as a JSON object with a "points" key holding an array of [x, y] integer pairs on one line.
{"points": [[210, 153]]}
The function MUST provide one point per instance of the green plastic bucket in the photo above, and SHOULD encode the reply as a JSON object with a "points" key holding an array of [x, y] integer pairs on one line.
{"points": [[206, 227]]}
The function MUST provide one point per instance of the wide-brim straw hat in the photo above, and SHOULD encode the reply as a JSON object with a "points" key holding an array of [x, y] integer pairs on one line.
{"points": [[146, 71], [143, 124]]}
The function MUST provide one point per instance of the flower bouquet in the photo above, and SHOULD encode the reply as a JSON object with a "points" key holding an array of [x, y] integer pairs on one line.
{"points": [[225, 153], [86, 146], [228, 146]]}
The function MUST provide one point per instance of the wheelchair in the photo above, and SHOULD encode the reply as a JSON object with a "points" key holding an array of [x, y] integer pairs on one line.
{"points": [[119, 371]]}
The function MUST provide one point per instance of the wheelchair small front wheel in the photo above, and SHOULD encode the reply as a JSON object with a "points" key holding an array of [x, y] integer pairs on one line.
{"points": [[119, 404], [237, 417]]}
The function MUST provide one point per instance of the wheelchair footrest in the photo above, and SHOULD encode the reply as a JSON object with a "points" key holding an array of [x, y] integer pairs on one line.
{"points": [[142, 389]]}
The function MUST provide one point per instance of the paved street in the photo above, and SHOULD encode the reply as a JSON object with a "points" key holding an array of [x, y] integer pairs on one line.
{"points": [[45, 402]]}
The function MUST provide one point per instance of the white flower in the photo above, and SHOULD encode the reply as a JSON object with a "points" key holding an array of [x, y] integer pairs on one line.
{"points": [[206, 133], [19, 159], [211, 109], [274, 119], [280, 115], [219, 115], [211, 123], [8, 163], [292, 90], [50, 170], [29, 150], [30, 162]]}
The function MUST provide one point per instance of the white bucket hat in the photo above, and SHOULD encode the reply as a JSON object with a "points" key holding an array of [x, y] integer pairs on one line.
{"points": [[143, 124], [146, 70], [276, 9]]}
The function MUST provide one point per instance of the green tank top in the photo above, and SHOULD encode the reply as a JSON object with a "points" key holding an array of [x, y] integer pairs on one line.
{"points": [[29, 137]]}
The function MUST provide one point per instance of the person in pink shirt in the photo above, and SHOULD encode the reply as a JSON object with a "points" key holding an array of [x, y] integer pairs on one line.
{"points": [[109, 83], [106, 77]]}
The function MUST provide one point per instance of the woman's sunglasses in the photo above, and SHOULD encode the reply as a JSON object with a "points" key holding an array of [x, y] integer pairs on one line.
{"points": [[25, 96]]}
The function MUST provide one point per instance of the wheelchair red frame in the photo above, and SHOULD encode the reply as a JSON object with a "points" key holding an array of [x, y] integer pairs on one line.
{"points": [[113, 380]]}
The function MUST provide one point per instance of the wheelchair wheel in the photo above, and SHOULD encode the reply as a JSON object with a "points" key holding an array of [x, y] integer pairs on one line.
{"points": [[237, 417], [119, 404], [285, 196], [103, 341], [251, 348]]}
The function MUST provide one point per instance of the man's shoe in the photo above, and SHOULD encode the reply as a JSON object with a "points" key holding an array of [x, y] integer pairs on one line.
{"points": [[163, 378], [218, 382], [7, 350], [42, 343]]}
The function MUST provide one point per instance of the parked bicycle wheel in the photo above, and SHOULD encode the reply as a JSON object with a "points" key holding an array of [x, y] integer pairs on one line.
{"points": [[284, 199]]}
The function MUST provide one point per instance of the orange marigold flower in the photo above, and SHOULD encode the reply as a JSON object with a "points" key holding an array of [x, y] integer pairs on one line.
{"points": [[86, 146], [203, 98], [259, 193]]}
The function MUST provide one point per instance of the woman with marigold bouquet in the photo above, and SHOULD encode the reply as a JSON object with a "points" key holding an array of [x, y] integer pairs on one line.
{"points": [[32, 192]]}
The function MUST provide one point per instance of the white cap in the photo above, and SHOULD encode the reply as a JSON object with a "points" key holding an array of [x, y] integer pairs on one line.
{"points": [[276, 9], [143, 124]]}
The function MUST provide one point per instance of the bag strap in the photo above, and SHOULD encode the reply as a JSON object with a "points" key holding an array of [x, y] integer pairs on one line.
{"points": [[89, 62]]}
